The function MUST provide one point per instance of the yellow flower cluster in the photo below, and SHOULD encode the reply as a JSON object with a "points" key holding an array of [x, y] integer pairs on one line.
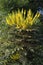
{"points": [[20, 20], [15, 57]]}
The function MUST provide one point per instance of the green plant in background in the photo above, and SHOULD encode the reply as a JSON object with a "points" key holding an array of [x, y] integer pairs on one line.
{"points": [[10, 5]]}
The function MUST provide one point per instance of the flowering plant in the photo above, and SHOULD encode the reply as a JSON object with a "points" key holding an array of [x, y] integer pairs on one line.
{"points": [[20, 20]]}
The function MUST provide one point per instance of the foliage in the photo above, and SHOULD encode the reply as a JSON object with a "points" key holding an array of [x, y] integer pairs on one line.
{"points": [[3, 26], [9, 5]]}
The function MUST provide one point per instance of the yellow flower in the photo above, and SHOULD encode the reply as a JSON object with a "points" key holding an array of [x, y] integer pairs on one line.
{"points": [[37, 15], [29, 13], [21, 21], [22, 11], [13, 15], [9, 21], [15, 57]]}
